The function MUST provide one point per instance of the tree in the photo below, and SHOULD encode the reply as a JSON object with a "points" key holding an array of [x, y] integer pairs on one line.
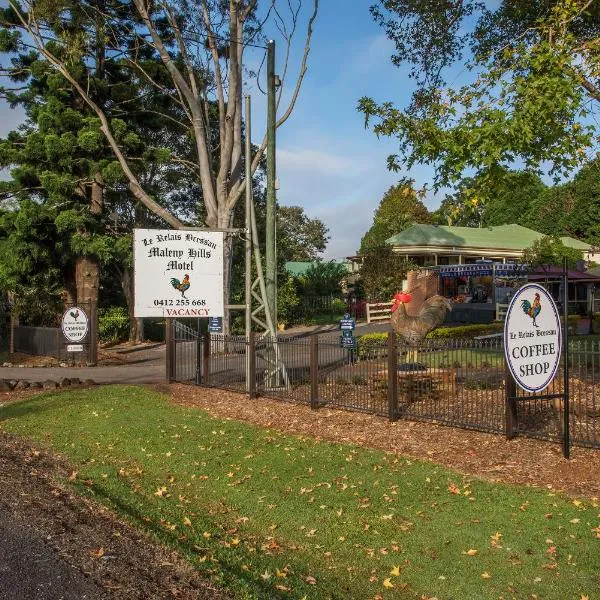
{"points": [[298, 236], [59, 159], [510, 201], [383, 272], [400, 207], [199, 49], [534, 79], [550, 251], [323, 278]]}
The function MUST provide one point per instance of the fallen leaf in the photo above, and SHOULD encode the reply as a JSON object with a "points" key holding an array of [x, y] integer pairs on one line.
{"points": [[97, 553], [387, 583], [266, 575], [283, 588], [187, 522], [485, 575], [471, 552], [235, 541], [206, 534], [310, 580], [73, 475], [395, 571], [453, 489], [160, 491]]}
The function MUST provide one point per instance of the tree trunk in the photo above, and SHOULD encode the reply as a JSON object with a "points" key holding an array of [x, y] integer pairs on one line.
{"points": [[136, 326], [87, 269]]}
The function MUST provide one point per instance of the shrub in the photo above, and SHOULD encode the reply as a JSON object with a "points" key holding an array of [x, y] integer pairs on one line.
{"points": [[465, 331], [370, 345], [338, 306], [113, 324]]}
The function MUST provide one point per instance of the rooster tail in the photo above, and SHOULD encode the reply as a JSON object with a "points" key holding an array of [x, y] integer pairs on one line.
{"points": [[526, 306], [174, 282]]}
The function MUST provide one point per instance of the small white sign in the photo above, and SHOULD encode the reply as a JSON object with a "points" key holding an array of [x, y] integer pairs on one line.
{"points": [[74, 324], [532, 338], [178, 273], [74, 348]]}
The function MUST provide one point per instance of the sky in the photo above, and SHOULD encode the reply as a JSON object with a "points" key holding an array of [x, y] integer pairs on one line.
{"points": [[327, 162]]}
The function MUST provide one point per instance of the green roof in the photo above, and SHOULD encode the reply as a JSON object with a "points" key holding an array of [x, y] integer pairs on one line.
{"points": [[501, 237], [297, 267]]}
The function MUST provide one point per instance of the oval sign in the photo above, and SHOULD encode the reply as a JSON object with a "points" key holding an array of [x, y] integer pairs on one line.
{"points": [[532, 338], [74, 324]]}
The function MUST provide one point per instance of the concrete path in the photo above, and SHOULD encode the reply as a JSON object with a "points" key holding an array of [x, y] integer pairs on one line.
{"points": [[147, 364]]}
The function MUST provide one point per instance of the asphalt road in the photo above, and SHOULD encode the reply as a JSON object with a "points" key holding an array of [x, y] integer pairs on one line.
{"points": [[31, 570]]}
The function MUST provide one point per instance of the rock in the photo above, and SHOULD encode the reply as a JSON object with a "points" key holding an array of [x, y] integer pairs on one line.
{"points": [[35, 385], [21, 366], [63, 364], [13, 382], [5, 386], [7, 364], [22, 385], [65, 382], [49, 384], [89, 382], [75, 381]]}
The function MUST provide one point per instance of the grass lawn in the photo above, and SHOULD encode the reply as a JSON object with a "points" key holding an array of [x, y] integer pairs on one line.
{"points": [[269, 515]]}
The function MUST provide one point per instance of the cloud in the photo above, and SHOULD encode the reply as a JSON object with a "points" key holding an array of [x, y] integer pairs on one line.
{"points": [[315, 160]]}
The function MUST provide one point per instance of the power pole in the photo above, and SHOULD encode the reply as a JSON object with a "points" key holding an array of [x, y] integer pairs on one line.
{"points": [[270, 236]]}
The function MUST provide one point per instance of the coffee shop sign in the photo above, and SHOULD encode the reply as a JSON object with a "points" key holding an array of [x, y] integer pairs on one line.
{"points": [[532, 338]]}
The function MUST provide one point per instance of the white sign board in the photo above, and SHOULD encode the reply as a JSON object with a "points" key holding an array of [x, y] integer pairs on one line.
{"points": [[74, 347], [178, 273], [532, 338], [74, 324]]}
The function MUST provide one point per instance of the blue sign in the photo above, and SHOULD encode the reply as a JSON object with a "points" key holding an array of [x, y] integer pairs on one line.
{"points": [[347, 323], [215, 324], [348, 342]]}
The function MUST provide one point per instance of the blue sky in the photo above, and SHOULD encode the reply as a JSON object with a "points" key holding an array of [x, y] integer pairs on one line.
{"points": [[327, 161]]}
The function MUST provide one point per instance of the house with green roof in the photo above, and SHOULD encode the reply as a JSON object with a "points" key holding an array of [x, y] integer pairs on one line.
{"points": [[430, 245]]}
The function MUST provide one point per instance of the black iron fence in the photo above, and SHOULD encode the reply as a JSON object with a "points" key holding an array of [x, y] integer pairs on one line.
{"points": [[461, 383]]}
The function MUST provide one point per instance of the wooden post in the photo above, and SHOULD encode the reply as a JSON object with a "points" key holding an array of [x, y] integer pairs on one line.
{"points": [[392, 376], [170, 356], [206, 359], [368, 313], [251, 364], [314, 371], [510, 403], [93, 353]]}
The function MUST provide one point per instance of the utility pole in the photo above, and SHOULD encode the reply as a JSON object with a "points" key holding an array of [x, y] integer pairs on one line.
{"points": [[270, 237]]}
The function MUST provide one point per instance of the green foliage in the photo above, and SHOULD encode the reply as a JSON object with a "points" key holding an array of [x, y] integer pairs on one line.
{"points": [[383, 272], [550, 250], [323, 278], [533, 78], [465, 331], [299, 238], [287, 301], [400, 207], [113, 324], [371, 345]]}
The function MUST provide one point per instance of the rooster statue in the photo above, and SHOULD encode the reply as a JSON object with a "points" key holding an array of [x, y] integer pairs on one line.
{"points": [[533, 310], [181, 286], [413, 329]]}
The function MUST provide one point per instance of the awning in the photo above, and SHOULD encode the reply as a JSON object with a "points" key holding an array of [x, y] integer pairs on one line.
{"points": [[483, 269]]}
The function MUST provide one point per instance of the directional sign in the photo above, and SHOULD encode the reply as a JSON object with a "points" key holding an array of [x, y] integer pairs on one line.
{"points": [[215, 324], [532, 338], [347, 323]]}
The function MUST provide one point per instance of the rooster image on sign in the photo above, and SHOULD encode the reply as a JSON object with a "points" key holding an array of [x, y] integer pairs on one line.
{"points": [[533, 310], [181, 286]]}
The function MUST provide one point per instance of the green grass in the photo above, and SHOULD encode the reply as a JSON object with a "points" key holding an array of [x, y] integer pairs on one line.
{"points": [[254, 509]]}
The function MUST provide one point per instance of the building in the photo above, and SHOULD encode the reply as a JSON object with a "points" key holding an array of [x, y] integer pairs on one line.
{"points": [[432, 245]]}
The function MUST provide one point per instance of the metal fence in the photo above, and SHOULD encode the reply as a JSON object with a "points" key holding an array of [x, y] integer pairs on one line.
{"points": [[457, 382]]}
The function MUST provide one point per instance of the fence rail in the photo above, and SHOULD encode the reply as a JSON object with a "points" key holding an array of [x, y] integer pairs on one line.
{"points": [[458, 382]]}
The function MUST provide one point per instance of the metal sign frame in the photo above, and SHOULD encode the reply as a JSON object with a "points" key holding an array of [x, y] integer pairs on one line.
{"points": [[512, 395]]}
